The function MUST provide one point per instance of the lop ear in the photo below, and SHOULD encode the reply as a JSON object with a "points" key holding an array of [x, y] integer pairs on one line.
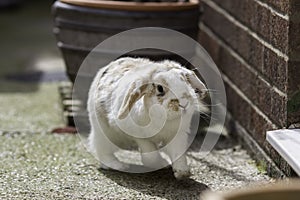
{"points": [[133, 94], [196, 83]]}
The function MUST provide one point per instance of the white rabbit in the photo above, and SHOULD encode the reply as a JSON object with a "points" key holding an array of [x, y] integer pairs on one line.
{"points": [[135, 103]]}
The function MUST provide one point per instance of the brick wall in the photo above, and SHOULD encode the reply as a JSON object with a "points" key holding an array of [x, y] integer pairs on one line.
{"points": [[256, 45]]}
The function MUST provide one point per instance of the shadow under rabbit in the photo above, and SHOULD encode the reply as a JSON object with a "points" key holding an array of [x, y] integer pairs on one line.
{"points": [[160, 183]]}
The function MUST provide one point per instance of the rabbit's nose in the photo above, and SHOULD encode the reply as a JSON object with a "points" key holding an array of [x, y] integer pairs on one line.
{"points": [[183, 104]]}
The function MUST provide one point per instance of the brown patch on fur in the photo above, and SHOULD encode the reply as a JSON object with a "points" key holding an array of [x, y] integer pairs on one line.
{"points": [[130, 99], [188, 79], [125, 70], [143, 88], [174, 104], [151, 91], [136, 96], [196, 84], [124, 110], [127, 67], [133, 98]]}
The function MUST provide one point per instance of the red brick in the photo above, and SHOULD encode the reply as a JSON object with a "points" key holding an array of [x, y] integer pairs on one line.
{"points": [[250, 49], [220, 25], [249, 82], [275, 69], [260, 20], [255, 124], [279, 109], [261, 24], [239, 109], [279, 28], [281, 6], [245, 45]]}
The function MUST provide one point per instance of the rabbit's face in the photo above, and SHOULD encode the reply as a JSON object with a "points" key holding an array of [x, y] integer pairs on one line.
{"points": [[175, 88], [172, 90]]}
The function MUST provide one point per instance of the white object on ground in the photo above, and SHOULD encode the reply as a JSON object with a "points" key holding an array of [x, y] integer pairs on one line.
{"points": [[287, 143]]}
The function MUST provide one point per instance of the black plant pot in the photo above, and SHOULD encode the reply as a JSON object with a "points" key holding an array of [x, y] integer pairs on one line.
{"points": [[80, 25]]}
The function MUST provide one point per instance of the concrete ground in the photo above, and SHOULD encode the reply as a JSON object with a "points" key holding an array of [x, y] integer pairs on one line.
{"points": [[36, 164]]}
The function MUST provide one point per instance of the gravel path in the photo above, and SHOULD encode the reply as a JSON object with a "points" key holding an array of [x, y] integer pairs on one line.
{"points": [[51, 166]]}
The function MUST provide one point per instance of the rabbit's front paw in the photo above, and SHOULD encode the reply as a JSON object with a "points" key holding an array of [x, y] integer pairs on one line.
{"points": [[181, 169], [182, 174]]}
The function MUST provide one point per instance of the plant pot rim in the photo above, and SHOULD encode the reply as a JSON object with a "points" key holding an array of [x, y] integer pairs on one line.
{"points": [[289, 187], [135, 6]]}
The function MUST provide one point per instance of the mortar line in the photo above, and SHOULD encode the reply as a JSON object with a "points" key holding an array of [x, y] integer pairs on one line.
{"points": [[245, 28], [240, 59], [273, 11], [243, 96]]}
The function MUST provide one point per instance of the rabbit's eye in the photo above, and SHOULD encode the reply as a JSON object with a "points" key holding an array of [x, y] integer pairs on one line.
{"points": [[161, 91], [197, 90], [160, 88]]}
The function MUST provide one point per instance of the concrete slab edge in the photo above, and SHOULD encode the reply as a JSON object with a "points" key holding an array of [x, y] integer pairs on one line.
{"points": [[286, 143]]}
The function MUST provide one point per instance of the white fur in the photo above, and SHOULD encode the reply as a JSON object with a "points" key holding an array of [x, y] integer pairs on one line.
{"points": [[106, 98]]}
